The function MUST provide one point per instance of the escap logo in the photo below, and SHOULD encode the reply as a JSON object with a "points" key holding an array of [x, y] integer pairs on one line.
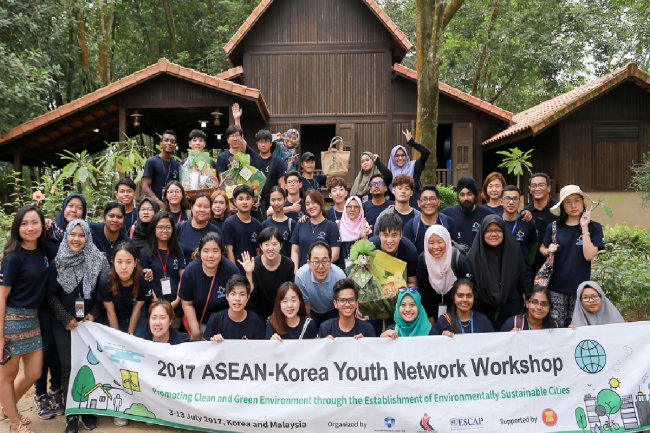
{"points": [[466, 423], [389, 421], [549, 417]]}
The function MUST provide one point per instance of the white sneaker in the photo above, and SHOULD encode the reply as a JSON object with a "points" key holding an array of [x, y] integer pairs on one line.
{"points": [[120, 422]]}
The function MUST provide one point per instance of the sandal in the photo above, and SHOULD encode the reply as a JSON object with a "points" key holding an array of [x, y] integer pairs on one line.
{"points": [[19, 428], [24, 419]]}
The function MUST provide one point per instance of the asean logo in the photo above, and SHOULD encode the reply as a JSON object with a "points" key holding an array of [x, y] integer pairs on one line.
{"points": [[549, 417]]}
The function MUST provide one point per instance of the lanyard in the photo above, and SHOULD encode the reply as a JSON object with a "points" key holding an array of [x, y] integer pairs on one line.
{"points": [[164, 264], [180, 214], [471, 323], [515, 227]]}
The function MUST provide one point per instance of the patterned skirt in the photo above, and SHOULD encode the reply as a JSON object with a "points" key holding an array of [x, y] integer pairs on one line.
{"points": [[22, 330]]}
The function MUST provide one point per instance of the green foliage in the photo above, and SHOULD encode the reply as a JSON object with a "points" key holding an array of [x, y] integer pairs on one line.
{"points": [[640, 179], [84, 381], [140, 409], [610, 400], [515, 161], [623, 269], [581, 418], [448, 196]]}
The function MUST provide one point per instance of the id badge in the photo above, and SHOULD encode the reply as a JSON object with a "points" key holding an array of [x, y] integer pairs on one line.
{"points": [[442, 309], [166, 285], [79, 309]]}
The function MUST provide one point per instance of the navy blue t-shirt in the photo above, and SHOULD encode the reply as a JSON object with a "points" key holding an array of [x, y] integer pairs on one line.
{"points": [[526, 234], [416, 229], [102, 243], [295, 215], [68, 299], [175, 336], [124, 301], [570, 267], [172, 265], [130, 218], [371, 211], [285, 227], [189, 237], [307, 233], [224, 159], [179, 216], [430, 298], [251, 328], [316, 183], [160, 172], [467, 225], [242, 236], [405, 251], [27, 273], [273, 169], [294, 333], [333, 215], [195, 286], [478, 324], [331, 327]]}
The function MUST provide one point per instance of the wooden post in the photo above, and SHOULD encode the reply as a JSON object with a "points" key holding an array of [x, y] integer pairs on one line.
{"points": [[18, 166], [121, 136]]}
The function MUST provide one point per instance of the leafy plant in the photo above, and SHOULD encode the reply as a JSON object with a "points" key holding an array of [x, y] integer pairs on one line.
{"points": [[447, 196], [640, 179], [515, 161]]}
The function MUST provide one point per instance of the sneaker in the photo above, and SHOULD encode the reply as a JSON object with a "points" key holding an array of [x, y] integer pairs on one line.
{"points": [[120, 422], [56, 401], [72, 424], [89, 422], [43, 407]]}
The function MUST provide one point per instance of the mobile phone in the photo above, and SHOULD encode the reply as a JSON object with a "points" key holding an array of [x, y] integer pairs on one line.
{"points": [[6, 355]]}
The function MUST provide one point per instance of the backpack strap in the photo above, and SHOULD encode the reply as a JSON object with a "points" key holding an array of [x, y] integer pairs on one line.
{"points": [[455, 257], [447, 318], [131, 231], [304, 327]]}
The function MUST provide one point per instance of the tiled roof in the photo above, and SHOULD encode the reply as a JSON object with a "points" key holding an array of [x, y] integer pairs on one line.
{"points": [[458, 94], [231, 73], [383, 17], [536, 119], [163, 66]]}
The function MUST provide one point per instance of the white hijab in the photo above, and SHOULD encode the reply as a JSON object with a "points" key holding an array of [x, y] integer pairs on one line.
{"points": [[441, 275]]}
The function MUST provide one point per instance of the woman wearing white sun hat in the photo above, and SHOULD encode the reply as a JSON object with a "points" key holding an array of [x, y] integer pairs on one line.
{"points": [[578, 241]]}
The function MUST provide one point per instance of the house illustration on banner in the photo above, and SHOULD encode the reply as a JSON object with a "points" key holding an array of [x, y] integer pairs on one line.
{"points": [[98, 397]]}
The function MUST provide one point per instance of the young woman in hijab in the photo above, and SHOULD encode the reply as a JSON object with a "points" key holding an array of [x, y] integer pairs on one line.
{"points": [[352, 227], [410, 318], [401, 163], [498, 268], [460, 318], [78, 266], [439, 266], [139, 232], [73, 207], [593, 307], [175, 202], [577, 243], [370, 166], [538, 312]]}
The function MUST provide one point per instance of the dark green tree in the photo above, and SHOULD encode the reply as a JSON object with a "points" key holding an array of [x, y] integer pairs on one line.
{"points": [[84, 381]]}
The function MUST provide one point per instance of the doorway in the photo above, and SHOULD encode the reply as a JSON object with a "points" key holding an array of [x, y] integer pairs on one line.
{"points": [[316, 139]]}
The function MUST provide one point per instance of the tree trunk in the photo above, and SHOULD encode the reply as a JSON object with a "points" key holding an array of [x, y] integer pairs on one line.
{"points": [[106, 19], [171, 27], [496, 8]]}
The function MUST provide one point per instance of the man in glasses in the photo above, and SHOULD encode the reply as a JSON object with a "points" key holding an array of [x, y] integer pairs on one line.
{"points": [[346, 324], [377, 203], [524, 232], [316, 281], [429, 204], [539, 210]]}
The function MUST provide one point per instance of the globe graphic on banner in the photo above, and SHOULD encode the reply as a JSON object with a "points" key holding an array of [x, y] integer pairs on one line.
{"points": [[590, 356]]}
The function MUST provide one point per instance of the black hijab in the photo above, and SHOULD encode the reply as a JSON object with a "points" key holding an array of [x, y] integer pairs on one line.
{"points": [[497, 270], [57, 230], [141, 230]]}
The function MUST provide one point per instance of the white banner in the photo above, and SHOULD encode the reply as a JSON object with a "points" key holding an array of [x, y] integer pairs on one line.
{"points": [[591, 379]]}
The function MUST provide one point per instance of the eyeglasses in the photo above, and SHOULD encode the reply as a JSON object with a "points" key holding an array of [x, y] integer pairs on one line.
{"points": [[510, 199], [292, 182], [174, 192], [377, 183], [429, 199], [318, 263], [536, 303], [346, 301], [146, 209], [493, 232], [408, 289], [164, 228], [537, 185], [590, 298]]}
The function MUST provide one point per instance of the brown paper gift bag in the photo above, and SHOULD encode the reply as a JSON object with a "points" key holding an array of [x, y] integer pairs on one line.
{"points": [[335, 163]]}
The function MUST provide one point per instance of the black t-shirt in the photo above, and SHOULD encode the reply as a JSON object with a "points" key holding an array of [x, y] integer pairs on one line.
{"points": [[430, 298], [285, 227], [525, 233], [189, 237], [175, 336], [331, 327], [266, 283], [124, 301], [172, 265], [102, 243], [479, 324], [307, 233], [542, 218], [333, 215], [467, 225], [160, 172], [405, 251], [273, 169], [294, 333], [224, 159], [179, 217], [372, 211], [242, 236], [195, 286], [251, 328], [27, 273], [130, 218], [295, 215], [68, 299], [316, 183], [416, 229]]}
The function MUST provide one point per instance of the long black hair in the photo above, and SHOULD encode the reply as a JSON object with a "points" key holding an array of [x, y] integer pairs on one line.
{"points": [[114, 279], [15, 241], [172, 244], [548, 321], [453, 314]]}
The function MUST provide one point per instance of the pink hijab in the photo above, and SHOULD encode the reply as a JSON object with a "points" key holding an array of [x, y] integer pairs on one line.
{"points": [[350, 230], [441, 275]]}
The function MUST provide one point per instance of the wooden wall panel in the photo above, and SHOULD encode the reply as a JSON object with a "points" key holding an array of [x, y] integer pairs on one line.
{"points": [[611, 164], [371, 137], [576, 158]]}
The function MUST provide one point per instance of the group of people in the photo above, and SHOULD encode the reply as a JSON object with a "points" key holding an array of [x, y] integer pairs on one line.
{"points": [[273, 265]]}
